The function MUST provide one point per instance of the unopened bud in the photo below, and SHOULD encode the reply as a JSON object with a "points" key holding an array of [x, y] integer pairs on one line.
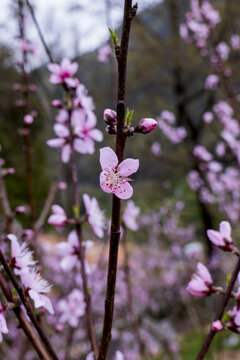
{"points": [[57, 104], [217, 325], [28, 119], [146, 125], [110, 117]]}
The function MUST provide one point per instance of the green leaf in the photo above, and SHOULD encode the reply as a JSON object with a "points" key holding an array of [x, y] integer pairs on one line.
{"points": [[129, 116], [228, 279], [226, 317], [76, 211], [114, 37]]}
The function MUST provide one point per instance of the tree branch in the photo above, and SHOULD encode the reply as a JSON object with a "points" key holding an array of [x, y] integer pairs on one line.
{"points": [[128, 15]]}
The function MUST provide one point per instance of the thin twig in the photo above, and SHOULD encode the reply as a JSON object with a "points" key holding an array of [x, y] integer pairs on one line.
{"points": [[129, 12], [39, 31], [220, 312], [28, 307]]}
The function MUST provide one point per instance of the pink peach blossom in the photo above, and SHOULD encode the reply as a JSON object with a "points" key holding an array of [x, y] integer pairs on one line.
{"points": [[62, 72], [21, 256], [201, 282], [58, 218], [95, 216], [114, 177], [36, 286], [222, 238]]}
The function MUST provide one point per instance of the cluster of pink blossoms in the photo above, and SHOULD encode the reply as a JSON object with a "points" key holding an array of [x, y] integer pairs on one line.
{"points": [[35, 286], [166, 122], [201, 283], [81, 120]]}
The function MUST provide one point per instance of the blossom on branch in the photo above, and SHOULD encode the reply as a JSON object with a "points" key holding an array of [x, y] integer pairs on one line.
{"points": [[21, 255], [61, 73], [222, 238], [95, 216], [201, 282], [114, 177], [58, 218], [35, 287]]}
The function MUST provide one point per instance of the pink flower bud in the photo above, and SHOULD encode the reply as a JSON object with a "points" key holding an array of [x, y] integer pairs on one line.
{"points": [[57, 104], [146, 125], [110, 117], [62, 185], [11, 171], [217, 325], [20, 209], [28, 119]]}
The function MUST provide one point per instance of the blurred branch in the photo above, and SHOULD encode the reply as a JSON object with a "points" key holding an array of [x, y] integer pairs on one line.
{"points": [[129, 13], [39, 31]]}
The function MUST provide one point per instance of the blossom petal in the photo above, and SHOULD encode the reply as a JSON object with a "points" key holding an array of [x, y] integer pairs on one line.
{"points": [[124, 192], [103, 184], [128, 167], [96, 135], [215, 237], [55, 143], [225, 229], [73, 238], [61, 130], [108, 158], [87, 202], [66, 153], [204, 273]]}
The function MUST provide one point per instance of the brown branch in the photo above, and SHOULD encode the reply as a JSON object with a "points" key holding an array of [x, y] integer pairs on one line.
{"points": [[28, 307], [128, 15], [23, 322], [220, 312], [39, 31]]}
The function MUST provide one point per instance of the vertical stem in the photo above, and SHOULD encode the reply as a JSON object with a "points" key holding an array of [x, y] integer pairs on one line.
{"points": [[220, 312], [129, 12]]}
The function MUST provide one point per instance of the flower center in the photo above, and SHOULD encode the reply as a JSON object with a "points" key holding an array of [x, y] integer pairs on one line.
{"points": [[114, 180]]}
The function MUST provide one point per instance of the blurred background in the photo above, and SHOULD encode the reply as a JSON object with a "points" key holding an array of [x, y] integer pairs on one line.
{"points": [[164, 74]]}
